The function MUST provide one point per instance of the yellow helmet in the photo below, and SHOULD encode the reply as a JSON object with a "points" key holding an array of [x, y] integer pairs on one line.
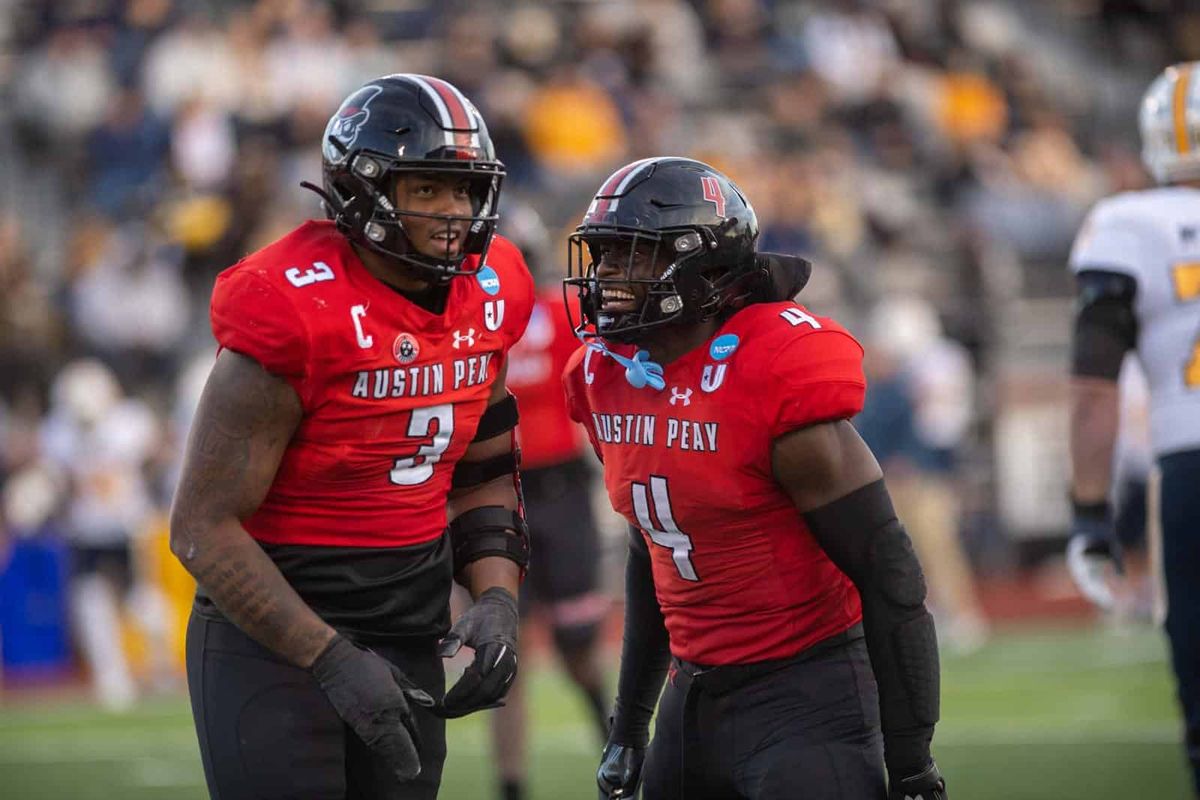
{"points": [[1170, 124]]}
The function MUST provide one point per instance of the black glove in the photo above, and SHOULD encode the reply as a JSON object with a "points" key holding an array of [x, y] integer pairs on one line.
{"points": [[620, 771], [490, 627], [928, 785], [373, 697], [1094, 554]]}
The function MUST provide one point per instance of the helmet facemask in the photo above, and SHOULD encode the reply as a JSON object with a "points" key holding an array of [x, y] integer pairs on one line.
{"points": [[669, 274], [697, 232], [361, 201]]}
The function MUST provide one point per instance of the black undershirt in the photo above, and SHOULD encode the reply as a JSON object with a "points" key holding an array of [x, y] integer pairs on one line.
{"points": [[367, 593]]}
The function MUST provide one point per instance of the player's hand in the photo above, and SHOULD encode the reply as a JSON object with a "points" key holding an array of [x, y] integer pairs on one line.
{"points": [[620, 771], [927, 785], [1094, 555], [490, 627], [373, 696]]}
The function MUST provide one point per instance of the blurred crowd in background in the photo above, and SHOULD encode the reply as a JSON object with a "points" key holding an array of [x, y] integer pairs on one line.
{"points": [[934, 158]]}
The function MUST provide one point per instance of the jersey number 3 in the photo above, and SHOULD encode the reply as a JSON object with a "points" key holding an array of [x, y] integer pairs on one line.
{"points": [[435, 423], [1187, 288], [669, 535]]}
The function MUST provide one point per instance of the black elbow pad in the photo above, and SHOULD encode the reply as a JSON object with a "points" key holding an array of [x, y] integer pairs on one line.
{"points": [[1106, 325], [894, 567], [862, 536], [489, 531], [498, 418]]}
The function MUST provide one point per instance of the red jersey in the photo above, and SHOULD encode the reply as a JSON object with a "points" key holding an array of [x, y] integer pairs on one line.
{"points": [[546, 433], [737, 573], [392, 393]]}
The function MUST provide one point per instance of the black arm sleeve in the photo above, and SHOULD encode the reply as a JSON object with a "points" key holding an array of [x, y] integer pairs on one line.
{"points": [[645, 651], [1106, 325], [862, 536]]}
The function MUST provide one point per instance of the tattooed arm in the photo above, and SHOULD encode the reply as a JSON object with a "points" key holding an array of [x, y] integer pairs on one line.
{"points": [[242, 427]]}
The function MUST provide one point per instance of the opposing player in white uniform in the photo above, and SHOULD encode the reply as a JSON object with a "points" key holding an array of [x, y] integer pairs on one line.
{"points": [[1137, 265]]}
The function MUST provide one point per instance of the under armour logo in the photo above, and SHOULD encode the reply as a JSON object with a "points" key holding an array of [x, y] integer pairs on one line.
{"points": [[685, 396], [468, 337]]}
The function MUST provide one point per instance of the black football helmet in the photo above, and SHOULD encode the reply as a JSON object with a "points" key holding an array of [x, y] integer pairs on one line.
{"points": [[688, 218], [408, 123]]}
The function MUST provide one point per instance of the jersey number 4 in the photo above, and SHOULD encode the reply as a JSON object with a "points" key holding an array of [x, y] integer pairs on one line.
{"points": [[1187, 287], [669, 535], [435, 423]]}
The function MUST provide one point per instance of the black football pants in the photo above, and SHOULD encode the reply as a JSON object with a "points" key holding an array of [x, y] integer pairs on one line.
{"points": [[1180, 514], [808, 730], [267, 732]]}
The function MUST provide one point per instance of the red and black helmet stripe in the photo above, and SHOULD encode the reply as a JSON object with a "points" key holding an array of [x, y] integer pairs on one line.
{"points": [[609, 196], [458, 116]]}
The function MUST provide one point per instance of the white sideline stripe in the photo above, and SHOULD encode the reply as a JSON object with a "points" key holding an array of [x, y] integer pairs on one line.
{"points": [[159, 759], [56, 748], [950, 736], [160, 774]]}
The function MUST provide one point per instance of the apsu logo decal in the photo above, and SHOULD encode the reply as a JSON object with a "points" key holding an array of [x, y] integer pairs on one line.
{"points": [[405, 348], [493, 314], [348, 120], [713, 377]]}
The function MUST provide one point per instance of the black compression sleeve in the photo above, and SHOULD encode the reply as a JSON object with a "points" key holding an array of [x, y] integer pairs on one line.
{"points": [[1106, 325], [862, 536], [645, 651]]}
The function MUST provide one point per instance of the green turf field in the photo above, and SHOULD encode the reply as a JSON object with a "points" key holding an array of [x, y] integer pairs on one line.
{"points": [[1035, 715]]}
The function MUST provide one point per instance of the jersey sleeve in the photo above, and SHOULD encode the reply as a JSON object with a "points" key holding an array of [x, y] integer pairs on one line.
{"points": [[576, 396], [1113, 240], [252, 317], [519, 289], [812, 378]]}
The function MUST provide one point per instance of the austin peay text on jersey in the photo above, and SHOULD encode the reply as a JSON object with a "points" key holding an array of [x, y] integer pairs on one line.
{"points": [[421, 380], [642, 429]]}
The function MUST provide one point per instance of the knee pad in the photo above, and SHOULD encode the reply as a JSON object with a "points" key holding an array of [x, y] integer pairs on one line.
{"points": [[572, 640]]}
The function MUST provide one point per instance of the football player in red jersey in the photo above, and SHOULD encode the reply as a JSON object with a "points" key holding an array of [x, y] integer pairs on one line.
{"points": [[352, 453], [769, 578], [557, 479]]}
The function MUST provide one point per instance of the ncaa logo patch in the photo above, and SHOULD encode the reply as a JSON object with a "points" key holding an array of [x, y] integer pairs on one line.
{"points": [[489, 281], [723, 347], [405, 348]]}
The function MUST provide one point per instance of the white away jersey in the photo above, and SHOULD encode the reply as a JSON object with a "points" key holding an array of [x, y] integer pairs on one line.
{"points": [[1154, 236]]}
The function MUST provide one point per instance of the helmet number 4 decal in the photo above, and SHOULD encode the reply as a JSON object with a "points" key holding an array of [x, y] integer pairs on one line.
{"points": [[712, 193]]}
